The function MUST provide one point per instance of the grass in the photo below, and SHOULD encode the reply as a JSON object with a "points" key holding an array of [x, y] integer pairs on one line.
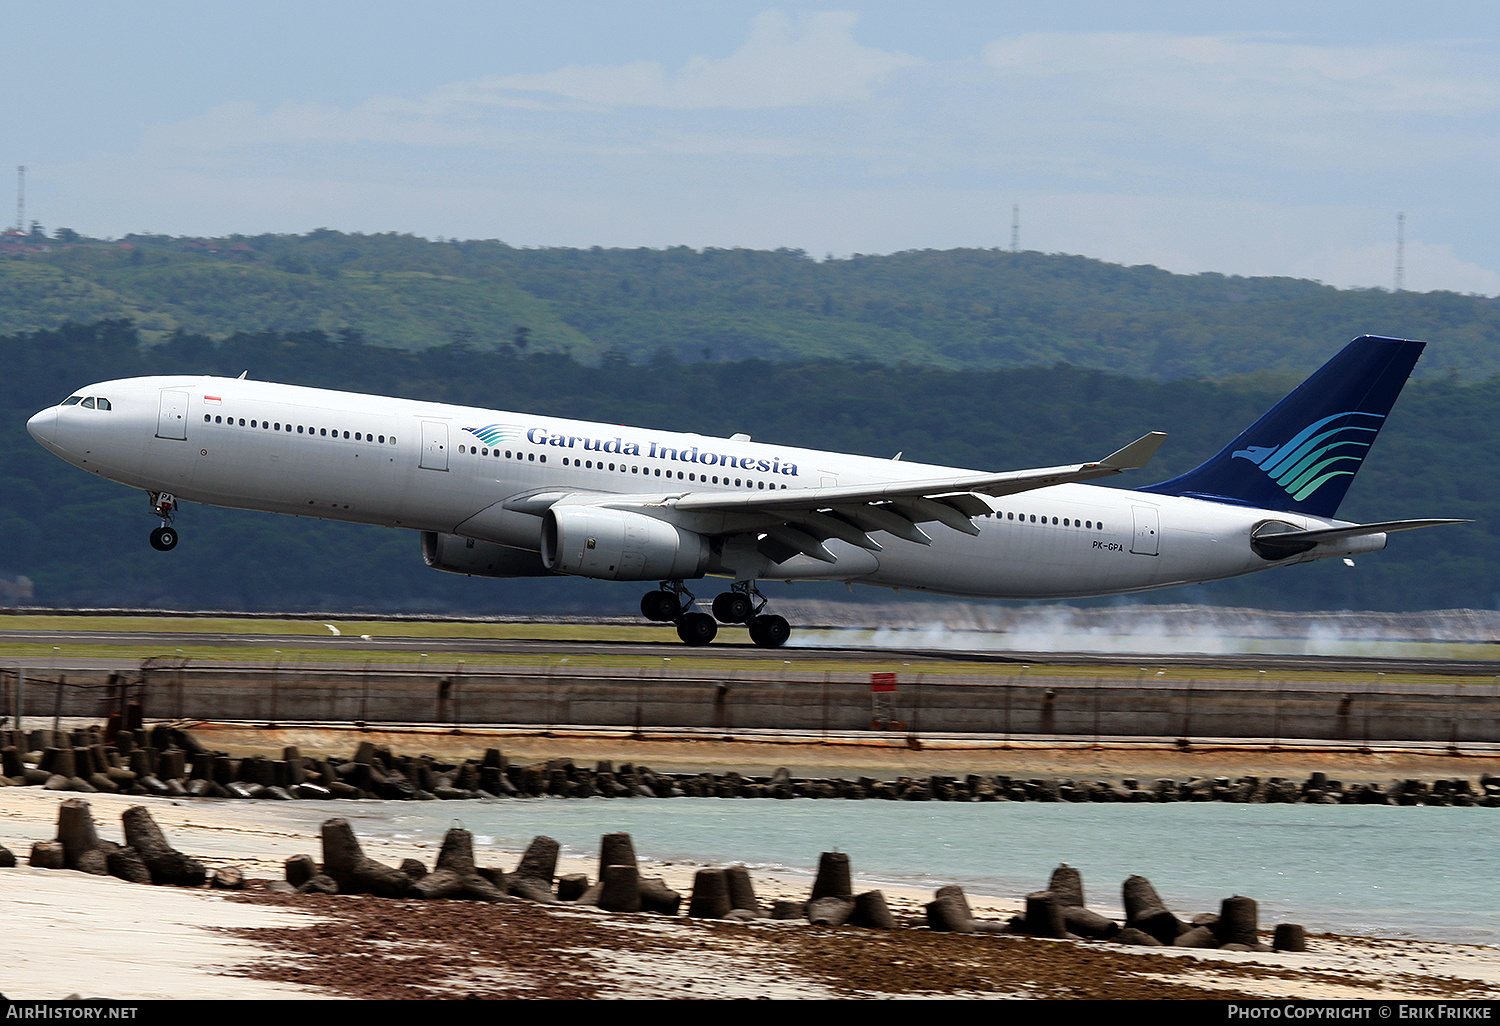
{"points": [[910, 667]]}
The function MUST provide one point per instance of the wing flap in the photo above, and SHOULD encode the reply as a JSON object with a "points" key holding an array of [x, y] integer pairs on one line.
{"points": [[825, 526], [920, 510], [791, 538], [884, 518]]}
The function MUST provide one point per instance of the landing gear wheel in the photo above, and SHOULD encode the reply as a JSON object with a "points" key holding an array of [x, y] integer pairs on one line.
{"points": [[661, 606], [770, 631], [697, 629], [163, 504], [733, 607]]}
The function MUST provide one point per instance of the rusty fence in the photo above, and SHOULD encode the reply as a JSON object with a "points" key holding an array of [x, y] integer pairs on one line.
{"points": [[1456, 711]]}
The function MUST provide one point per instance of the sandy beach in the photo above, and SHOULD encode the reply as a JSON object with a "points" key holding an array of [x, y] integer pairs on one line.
{"points": [[101, 937]]}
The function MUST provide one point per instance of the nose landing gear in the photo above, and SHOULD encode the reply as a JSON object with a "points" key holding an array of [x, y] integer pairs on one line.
{"points": [[164, 538]]}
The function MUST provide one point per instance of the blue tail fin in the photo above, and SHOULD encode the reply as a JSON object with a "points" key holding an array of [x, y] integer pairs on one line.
{"points": [[1301, 456]]}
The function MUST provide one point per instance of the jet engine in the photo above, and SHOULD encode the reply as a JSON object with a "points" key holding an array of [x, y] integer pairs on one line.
{"points": [[479, 558], [619, 545]]}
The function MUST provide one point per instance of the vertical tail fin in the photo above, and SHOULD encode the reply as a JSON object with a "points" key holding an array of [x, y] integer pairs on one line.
{"points": [[1301, 456]]}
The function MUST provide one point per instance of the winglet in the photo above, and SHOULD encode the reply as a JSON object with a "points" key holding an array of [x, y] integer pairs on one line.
{"points": [[1137, 454]]}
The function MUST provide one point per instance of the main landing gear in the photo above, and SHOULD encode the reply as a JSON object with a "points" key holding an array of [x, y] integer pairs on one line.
{"points": [[742, 603], [164, 538]]}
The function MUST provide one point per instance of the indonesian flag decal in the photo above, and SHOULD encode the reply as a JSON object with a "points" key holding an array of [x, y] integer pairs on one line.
{"points": [[213, 400]]}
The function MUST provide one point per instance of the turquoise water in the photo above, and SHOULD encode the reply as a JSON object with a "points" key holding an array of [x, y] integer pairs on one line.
{"points": [[1423, 873]]}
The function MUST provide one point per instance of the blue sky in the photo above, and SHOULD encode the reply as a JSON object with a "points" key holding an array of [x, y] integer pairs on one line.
{"points": [[1259, 138]]}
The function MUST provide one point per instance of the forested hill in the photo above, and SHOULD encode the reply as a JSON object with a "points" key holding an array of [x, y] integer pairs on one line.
{"points": [[82, 541], [944, 309]]}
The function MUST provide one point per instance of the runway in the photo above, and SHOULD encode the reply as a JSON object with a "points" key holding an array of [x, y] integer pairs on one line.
{"points": [[732, 647]]}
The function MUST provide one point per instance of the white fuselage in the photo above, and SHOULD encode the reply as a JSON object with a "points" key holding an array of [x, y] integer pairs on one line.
{"points": [[452, 469]]}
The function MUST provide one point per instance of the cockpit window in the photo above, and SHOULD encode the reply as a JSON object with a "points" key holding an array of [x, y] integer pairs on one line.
{"points": [[72, 400], [104, 404], [88, 404]]}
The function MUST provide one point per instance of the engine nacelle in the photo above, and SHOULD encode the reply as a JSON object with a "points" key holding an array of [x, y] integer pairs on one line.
{"points": [[479, 558], [618, 545]]}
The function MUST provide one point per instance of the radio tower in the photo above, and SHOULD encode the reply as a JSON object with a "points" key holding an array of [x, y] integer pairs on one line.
{"points": [[21, 198], [1015, 227], [1400, 252]]}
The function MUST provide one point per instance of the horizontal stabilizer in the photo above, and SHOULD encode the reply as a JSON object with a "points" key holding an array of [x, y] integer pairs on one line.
{"points": [[1291, 543]]}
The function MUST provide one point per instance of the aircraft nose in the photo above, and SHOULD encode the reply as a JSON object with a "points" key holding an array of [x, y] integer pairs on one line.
{"points": [[43, 426]]}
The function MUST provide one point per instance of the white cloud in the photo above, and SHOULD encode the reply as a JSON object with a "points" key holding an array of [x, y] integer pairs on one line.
{"points": [[1429, 267], [1245, 75], [810, 61], [241, 125], [1239, 153]]}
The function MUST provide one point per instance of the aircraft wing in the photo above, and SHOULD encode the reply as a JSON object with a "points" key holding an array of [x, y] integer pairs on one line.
{"points": [[799, 521]]}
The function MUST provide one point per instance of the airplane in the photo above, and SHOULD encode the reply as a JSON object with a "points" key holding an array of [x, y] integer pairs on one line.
{"points": [[502, 494]]}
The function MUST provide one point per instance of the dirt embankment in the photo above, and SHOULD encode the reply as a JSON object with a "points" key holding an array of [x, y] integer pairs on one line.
{"points": [[879, 756]]}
